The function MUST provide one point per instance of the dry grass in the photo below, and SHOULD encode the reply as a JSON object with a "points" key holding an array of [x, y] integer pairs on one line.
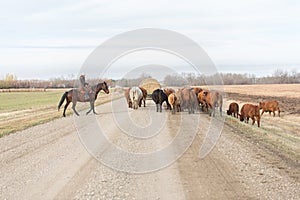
{"points": [[276, 90], [279, 134]]}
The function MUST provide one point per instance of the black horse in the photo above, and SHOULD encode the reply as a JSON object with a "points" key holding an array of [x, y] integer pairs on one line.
{"points": [[158, 96], [75, 95]]}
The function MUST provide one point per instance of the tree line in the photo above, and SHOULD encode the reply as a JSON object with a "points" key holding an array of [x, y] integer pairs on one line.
{"points": [[184, 79], [278, 77], [10, 81]]}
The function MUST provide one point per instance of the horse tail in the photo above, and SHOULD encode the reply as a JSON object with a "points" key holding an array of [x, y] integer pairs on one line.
{"points": [[64, 96]]}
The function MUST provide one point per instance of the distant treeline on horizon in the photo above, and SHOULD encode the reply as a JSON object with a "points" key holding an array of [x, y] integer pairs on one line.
{"points": [[184, 79]]}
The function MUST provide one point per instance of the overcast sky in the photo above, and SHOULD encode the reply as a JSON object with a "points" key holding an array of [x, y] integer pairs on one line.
{"points": [[52, 38]]}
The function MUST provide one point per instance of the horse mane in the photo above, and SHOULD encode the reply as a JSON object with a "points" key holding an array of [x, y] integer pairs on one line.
{"points": [[97, 85]]}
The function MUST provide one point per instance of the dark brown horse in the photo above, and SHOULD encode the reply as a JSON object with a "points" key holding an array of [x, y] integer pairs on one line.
{"points": [[75, 95]]}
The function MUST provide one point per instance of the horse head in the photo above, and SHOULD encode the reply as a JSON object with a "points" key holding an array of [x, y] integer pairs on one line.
{"points": [[103, 86]]}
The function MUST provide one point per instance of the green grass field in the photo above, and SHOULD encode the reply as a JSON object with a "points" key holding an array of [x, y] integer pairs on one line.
{"points": [[21, 110], [16, 101]]}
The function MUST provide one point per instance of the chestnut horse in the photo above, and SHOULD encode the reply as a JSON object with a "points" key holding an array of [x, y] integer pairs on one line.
{"points": [[75, 95]]}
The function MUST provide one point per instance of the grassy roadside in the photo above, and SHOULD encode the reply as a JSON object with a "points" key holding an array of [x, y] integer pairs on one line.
{"points": [[21, 110], [282, 144]]}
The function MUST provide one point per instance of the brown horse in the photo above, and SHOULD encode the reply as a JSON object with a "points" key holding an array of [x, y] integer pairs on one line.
{"points": [[129, 102], [189, 100], [75, 95], [144, 91]]}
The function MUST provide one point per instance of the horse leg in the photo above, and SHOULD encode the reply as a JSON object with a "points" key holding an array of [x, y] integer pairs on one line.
{"points": [[73, 107], [253, 120], [193, 108], [173, 109], [130, 104], [202, 106], [65, 108], [157, 107], [160, 107], [206, 107], [89, 110], [168, 105], [93, 107], [211, 109]]}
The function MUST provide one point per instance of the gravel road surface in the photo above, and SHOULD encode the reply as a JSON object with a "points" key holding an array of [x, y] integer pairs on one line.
{"points": [[49, 161]]}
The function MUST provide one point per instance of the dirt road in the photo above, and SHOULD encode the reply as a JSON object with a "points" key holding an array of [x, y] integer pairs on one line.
{"points": [[49, 162]]}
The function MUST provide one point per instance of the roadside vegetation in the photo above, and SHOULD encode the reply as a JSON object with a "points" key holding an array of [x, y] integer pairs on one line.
{"points": [[279, 135], [285, 143]]}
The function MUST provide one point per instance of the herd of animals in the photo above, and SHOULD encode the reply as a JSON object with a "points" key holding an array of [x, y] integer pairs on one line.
{"points": [[198, 98], [177, 101]]}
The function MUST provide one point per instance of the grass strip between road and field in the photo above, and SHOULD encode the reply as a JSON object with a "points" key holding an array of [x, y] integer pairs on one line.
{"points": [[267, 137]]}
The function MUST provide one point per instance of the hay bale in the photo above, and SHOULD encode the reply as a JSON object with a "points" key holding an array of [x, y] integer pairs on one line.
{"points": [[150, 84]]}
